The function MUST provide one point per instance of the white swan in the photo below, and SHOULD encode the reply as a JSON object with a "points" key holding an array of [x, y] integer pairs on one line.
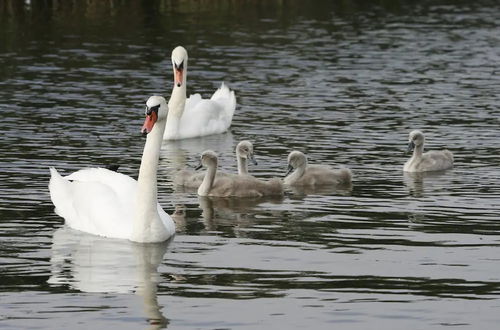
{"points": [[192, 179], [313, 175], [234, 185], [195, 116], [426, 162], [110, 204]]}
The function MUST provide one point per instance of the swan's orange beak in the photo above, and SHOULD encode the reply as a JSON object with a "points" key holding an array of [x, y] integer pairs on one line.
{"points": [[149, 122], [178, 77]]}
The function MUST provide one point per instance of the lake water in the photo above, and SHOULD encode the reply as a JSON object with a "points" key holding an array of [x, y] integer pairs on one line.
{"points": [[344, 83]]}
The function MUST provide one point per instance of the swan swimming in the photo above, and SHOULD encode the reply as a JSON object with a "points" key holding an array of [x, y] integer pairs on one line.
{"points": [[426, 162], [301, 174], [234, 185], [195, 117], [110, 204], [192, 179]]}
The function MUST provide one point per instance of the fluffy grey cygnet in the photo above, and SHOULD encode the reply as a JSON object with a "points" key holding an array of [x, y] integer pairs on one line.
{"points": [[234, 185], [192, 179], [301, 174], [426, 162]]}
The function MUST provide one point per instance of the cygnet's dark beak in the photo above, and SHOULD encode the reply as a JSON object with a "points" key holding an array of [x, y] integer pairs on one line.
{"points": [[200, 165], [289, 170], [411, 146], [252, 159]]}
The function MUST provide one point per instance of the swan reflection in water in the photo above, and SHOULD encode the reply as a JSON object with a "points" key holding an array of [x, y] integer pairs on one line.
{"points": [[234, 212], [416, 182], [299, 192], [94, 264], [178, 154], [227, 212]]}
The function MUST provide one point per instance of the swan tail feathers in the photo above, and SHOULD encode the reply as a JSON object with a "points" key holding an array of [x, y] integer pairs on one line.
{"points": [[227, 99], [345, 176], [448, 154], [59, 192]]}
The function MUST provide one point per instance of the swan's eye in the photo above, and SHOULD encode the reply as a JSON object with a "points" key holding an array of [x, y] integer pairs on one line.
{"points": [[150, 110]]}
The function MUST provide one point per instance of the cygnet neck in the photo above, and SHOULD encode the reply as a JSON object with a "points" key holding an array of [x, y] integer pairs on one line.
{"points": [[242, 164], [208, 179]]}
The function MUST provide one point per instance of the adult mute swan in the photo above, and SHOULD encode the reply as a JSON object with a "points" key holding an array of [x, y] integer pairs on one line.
{"points": [[195, 116], [426, 162], [301, 174], [110, 204], [234, 185], [192, 179]]}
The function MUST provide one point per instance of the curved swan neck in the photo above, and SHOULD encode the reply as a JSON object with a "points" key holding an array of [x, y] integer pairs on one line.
{"points": [[296, 175], [418, 151], [208, 180], [147, 190]]}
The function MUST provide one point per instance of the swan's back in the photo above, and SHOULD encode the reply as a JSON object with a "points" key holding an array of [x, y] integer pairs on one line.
{"points": [[434, 161], [245, 186], [191, 179], [188, 178], [317, 175]]}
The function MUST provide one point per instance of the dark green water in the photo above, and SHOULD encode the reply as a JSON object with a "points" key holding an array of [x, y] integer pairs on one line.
{"points": [[342, 81]]}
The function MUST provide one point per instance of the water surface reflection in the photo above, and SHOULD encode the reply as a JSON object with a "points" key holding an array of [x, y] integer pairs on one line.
{"points": [[342, 81], [94, 264]]}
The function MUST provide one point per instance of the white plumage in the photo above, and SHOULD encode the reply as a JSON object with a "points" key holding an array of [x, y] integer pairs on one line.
{"points": [[195, 116], [106, 203]]}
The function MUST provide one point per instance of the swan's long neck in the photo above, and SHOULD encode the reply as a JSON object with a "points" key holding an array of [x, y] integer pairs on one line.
{"points": [[147, 223], [208, 180], [242, 164], [415, 158], [418, 151], [176, 106], [296, 174]]}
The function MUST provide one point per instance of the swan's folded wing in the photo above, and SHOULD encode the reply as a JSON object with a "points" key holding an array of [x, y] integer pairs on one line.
{"points": [[92, 207], [122, 185], [227, 100], [95, 202], [191, 101], [203, 117], [436, 160]]}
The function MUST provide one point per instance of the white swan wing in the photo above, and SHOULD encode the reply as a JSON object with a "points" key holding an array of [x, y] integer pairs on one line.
{"points": [[122, 185], [97, 201], [227, 100], [203, 117]]}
